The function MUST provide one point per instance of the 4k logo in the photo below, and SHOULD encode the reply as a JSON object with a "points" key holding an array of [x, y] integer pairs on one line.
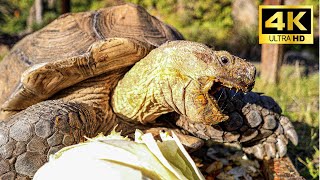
{"points": [[285, 24]]}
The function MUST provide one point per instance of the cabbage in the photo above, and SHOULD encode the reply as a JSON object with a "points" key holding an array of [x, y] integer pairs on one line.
{"points": [[117, 157]]}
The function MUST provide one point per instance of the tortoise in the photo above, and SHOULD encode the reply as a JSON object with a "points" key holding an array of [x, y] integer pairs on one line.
{"points": [[73, 79]]}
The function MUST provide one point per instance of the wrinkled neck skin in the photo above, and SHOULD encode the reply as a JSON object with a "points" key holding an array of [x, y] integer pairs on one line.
{"points": [[166, 82]]}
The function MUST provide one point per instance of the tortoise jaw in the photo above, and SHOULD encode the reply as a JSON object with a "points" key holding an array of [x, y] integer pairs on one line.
{"points": [[227, 83], [218, 85]]}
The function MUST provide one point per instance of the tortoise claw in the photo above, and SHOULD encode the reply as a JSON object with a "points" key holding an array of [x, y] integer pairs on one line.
{"points": [[281, 147], [292, 135], [289, 131], [270, 150]]}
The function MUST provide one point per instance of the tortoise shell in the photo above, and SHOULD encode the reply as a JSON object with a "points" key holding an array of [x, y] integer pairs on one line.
{"points": [[72, 35]]}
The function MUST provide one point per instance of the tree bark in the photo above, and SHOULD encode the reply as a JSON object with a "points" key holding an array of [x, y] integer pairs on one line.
{"points": [[271, 56], [31, 18], [38, 10], [51, 4], [65, 6], [271, 60]]}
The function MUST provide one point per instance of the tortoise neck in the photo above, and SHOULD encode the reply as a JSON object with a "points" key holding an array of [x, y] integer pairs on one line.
{"points": [[150, 97]]}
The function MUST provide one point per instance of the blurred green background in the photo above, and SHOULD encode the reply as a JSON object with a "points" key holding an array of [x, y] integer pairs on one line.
{"points": [[221, 24]]}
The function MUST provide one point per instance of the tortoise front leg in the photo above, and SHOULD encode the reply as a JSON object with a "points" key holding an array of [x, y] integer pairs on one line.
{"points": [[41, 81], [255, 122], [29, 137]]}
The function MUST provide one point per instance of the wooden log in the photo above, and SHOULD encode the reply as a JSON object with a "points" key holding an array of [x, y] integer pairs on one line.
{"points": [[280, 169]]}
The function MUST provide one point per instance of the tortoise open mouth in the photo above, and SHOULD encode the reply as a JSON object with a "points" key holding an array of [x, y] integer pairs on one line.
{"points": [[226, 83], [215, 92]]}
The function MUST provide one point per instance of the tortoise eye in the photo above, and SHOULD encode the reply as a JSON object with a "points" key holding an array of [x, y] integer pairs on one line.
{"points": [[224, 60]]}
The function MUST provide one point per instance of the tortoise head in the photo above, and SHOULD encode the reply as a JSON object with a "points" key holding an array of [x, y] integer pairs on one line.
{"points": [[210, 71], [229, 71], [184, 77]]}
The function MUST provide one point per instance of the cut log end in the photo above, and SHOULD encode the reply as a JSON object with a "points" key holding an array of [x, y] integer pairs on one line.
{"points": [[281, 168]]}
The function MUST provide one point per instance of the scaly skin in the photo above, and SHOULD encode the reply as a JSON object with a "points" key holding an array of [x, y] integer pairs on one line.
{"points": [[255, 122], [177, 77], [177, 83], [27, 138]]}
